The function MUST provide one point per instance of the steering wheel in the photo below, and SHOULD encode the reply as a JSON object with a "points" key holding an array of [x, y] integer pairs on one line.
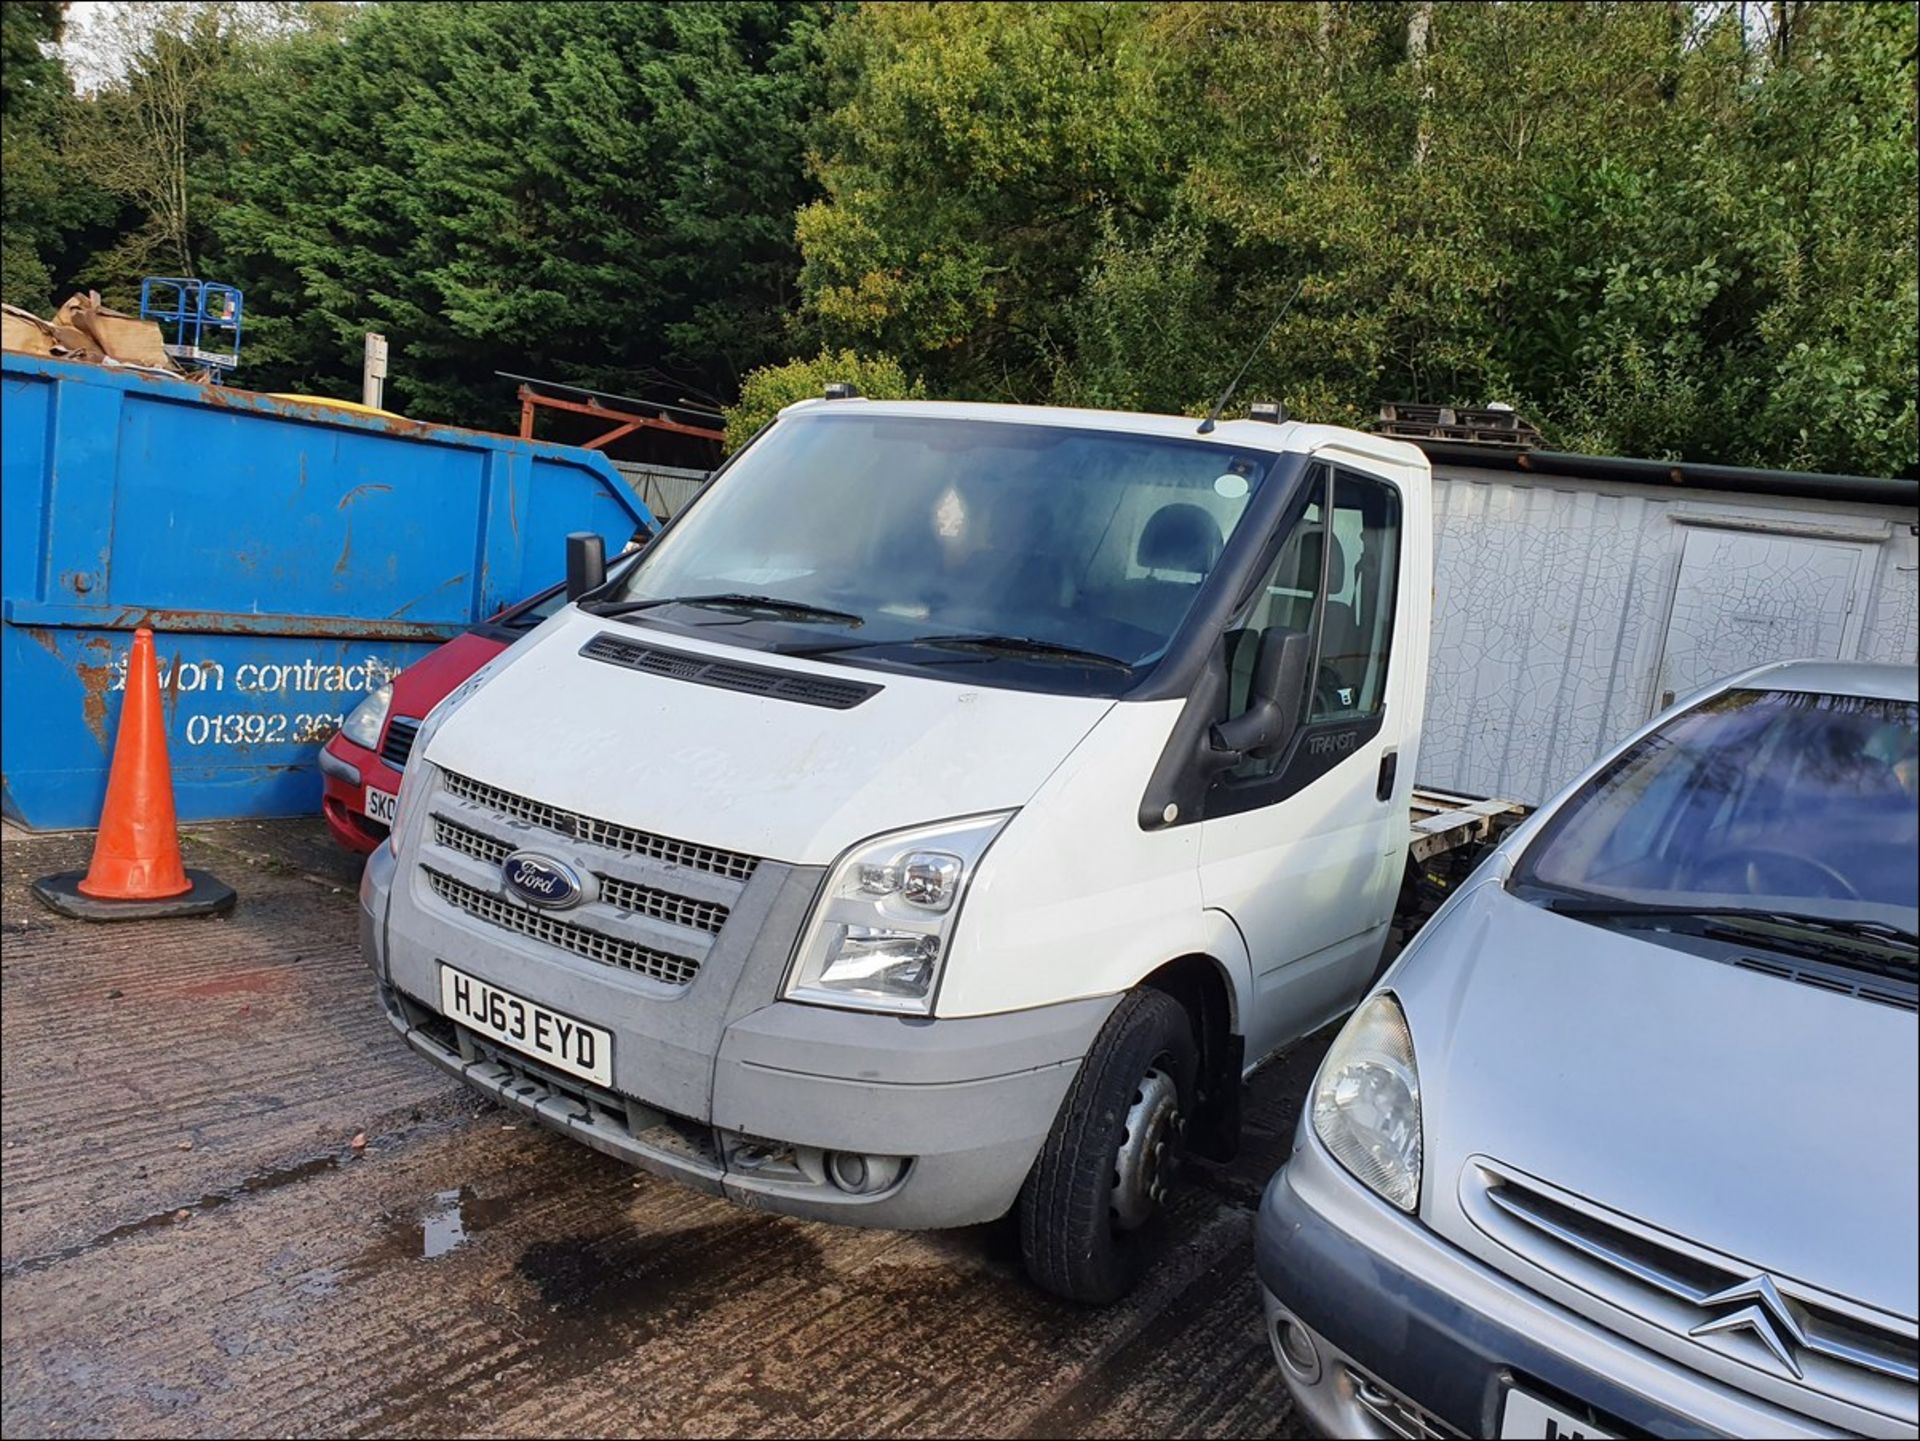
{"points": [[1326, 693], [1755, 863]]}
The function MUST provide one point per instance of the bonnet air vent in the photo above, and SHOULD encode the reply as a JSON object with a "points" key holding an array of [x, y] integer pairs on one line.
{"points": [[727, 674], [1886, 993]]}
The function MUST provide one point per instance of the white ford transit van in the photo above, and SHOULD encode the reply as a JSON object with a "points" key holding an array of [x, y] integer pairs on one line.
{"points": [[938, 818]]}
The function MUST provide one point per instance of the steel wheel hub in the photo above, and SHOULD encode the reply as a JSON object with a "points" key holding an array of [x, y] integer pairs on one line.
{"points": [[1149, 1151]]}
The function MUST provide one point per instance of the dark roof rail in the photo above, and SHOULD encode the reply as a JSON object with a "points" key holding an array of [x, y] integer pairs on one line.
{"points": [[1496, 438], [1753, 480]]}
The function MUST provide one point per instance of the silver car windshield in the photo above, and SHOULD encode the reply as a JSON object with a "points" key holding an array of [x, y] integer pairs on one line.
{"points": [[1802, 802], [872, 534]]}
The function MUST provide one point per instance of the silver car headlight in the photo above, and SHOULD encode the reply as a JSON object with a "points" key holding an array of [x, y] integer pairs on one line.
{"points": [[369, 718], [1366, 1101], [882, 928]]}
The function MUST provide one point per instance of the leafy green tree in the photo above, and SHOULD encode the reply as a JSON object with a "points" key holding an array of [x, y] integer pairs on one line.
{"points": [[599, 193], [976, 158], [770, 388], [1659, 229], [45, 209], [1655, 229]]}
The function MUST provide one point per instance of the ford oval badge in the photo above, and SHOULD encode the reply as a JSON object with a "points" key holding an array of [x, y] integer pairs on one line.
{"points": [[542, 880]]}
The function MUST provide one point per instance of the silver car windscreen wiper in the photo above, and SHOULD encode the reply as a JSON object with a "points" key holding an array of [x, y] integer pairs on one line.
{"points": [[1881, 934], [1836, 927], [729, 600]]}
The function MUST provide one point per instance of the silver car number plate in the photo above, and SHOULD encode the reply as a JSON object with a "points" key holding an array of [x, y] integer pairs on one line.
{"points": [[1530, 1417], [546, 1035]]}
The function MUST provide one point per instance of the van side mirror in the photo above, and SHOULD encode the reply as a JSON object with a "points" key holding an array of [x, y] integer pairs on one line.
{"points": [[586, 563], [1273, 703]]}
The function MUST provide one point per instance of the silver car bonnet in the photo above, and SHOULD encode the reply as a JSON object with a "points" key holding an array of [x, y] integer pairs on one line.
{"points": [[1760, 1118]]}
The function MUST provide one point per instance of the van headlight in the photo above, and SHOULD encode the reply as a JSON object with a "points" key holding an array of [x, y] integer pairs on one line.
{"points": [[881, 929], [1366, 1101]]}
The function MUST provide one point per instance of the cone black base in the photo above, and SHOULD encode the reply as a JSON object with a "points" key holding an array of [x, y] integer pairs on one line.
{"points": [[209, 897]]}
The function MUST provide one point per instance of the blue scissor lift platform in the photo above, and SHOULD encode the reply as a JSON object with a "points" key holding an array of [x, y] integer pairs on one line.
{"points": [[199, 319]]}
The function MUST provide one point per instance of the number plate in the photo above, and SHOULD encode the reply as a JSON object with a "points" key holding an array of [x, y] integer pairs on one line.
{"points": [[560, 1041], [380, 805], [1537, 1420]]}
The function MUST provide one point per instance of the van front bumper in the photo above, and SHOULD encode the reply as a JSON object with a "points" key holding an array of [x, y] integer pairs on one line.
{"points": [[867, 1089], [965, 1102], [1396, 1332]]}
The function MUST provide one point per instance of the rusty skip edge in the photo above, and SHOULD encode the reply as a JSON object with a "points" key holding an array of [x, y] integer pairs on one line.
{"points": [[213, 622], [315, 411]]}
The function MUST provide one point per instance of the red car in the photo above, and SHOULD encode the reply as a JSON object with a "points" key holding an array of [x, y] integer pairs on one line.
{"points": [[360, 766]]}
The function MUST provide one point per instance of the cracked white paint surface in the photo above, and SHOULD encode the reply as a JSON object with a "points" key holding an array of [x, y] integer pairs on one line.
{"points": [[1555, 602], [1743, 599]]}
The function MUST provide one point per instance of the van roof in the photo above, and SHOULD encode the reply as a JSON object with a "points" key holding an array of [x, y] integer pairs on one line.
{"points": [[1290, 435]]}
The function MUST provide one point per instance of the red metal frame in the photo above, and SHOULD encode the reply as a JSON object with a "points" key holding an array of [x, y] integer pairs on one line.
{"points": [[627, 421]]}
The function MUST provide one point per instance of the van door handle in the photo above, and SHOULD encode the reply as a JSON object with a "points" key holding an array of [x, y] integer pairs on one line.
{"points": [[1389, 768]]}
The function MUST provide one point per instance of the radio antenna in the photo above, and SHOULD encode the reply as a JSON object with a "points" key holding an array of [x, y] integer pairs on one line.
{"points": [[1206, 426]]}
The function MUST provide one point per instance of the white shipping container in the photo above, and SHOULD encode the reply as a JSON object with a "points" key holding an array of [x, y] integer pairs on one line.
{"points": [[1566, 611]]}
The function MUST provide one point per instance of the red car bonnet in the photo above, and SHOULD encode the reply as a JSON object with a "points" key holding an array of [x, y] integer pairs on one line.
{"points": [[422, 685]]}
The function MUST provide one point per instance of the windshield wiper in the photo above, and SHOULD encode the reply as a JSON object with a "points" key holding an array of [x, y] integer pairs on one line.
{"points": [[1842, 928], [1881, 936], [989, 645], [731, 600], [1022, 645]]}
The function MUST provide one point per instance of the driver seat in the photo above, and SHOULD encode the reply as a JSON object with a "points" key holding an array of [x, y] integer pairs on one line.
{"points": [[1177, 549]]}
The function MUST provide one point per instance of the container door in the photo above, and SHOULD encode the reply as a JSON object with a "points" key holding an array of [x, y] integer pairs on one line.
{"points": [[1746, 598]]}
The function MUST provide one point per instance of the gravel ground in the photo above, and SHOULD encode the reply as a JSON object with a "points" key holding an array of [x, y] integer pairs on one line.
{"points": [[235, 1204]]}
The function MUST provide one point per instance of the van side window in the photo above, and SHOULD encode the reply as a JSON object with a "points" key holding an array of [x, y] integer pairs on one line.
{"points": [[1289, 599], [1337, 580], [1356, 627]]}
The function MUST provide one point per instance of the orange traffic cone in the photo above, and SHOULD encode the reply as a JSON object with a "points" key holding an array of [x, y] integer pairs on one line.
{"points": [[136, 870]]}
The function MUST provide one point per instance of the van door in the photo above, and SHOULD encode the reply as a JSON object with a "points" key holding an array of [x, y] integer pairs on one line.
{"points": [[1301, 848]]}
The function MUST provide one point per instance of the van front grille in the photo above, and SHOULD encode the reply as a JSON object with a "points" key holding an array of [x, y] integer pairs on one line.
{"points": [[663, 906], [595, 946], [623, 894], [469, 842], [598, 832]]}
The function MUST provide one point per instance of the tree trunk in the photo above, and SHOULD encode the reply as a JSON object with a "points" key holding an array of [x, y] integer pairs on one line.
{"points": [[1419, 36]]}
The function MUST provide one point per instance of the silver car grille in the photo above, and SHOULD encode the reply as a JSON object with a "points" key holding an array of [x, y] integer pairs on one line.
{"points": [[1839, 1348], [653, 907], [575, 826]]}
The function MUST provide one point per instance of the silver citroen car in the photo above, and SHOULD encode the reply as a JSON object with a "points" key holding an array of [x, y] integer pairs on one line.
{"points": [[1625, 1142]]}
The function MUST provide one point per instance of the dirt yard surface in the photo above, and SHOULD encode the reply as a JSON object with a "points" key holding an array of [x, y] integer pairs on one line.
{"points": [[235, 1204]]}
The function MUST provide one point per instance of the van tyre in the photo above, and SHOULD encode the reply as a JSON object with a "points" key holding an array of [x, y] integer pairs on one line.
{"points": [[1093, 1205]]}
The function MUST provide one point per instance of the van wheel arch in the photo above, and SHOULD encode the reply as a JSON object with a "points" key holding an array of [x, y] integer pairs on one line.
{"points": [[1199, 983]]}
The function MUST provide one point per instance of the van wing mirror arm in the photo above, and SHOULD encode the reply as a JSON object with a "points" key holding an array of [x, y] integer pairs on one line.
{"points": [[1273, 703]]}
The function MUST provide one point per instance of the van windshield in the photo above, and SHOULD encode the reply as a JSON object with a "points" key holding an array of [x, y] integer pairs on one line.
{"points": [[1045, 556]]}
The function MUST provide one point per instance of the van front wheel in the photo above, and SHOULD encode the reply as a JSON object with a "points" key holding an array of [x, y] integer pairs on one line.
{"points": [[1091, 1209]]}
